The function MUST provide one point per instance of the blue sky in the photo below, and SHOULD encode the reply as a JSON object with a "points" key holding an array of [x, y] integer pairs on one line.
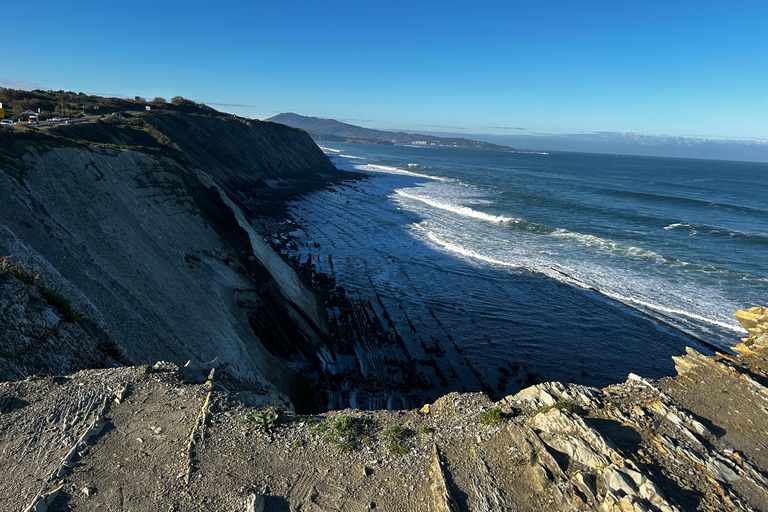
{"points": [[684, 68]]}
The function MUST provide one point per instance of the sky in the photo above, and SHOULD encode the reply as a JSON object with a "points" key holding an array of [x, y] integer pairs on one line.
{"points": [[514, 67]]}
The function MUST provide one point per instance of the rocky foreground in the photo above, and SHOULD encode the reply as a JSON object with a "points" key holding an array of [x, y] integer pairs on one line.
{"points": [[168, 438]]}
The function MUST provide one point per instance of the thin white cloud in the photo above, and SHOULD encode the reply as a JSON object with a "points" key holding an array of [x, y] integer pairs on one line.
{"points": [[11, 82]]}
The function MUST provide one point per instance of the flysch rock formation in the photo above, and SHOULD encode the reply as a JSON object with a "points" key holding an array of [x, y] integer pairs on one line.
{"points": [[150, 225], [141, 439], [152, 246]]}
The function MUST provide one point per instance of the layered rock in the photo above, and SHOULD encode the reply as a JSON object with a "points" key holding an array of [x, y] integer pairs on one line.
{"points": [[153, 243]]}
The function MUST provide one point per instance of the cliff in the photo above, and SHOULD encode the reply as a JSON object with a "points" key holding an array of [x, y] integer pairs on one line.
{"points": [[151, 225], [144, 439], [143, 222]]}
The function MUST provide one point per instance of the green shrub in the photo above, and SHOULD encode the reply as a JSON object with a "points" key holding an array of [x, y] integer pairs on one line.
{"points": [[398, 448], [263, 420], [426, 430], [491, 417], [394, 433], [394, 436]]}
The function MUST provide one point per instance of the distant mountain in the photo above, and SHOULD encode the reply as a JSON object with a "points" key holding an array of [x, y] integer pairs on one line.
{"points": [[336, 131]]}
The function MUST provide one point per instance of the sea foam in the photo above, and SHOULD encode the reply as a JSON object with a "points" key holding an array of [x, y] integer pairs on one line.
{"points": [[459, 210]]}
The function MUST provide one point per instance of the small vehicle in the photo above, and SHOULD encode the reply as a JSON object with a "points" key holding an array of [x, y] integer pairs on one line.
{"points": [[33, 119], [6, 122], [55, 119]]}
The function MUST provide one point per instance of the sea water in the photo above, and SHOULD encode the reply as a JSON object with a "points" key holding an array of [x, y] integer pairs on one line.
{"points": [[577, 267]]}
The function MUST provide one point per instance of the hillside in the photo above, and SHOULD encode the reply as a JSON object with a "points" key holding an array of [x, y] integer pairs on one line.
{"points": [[336, 131]]}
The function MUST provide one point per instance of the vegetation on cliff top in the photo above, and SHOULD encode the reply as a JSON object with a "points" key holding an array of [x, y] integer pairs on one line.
{"points": [[78, 104]]}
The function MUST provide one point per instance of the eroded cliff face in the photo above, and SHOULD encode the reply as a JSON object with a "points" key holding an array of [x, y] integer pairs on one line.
{"points": [[152, 243]]}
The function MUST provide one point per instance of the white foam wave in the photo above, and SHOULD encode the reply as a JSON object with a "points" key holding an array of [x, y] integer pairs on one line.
{"points": [[396, 170], [460, 210], [549, 271], [330, 149], [466, 252], [663, 312], [672, 311], [609, 245], [675, 225]]}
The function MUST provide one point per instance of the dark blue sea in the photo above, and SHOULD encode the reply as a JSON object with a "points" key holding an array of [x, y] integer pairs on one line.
{"points": [[575, 267]]}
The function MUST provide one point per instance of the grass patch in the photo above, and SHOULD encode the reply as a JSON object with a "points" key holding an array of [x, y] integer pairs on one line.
{"points": [[55, 299], [398, 448], [568, 406], [309, 420], [395, 432], [145, 369], [319, 429], [18, 270], [491, 417], [394, 436], [426, 430], [343, 433]]}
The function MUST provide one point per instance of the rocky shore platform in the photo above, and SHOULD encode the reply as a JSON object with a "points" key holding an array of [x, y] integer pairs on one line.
{"points": [[164, 438]]}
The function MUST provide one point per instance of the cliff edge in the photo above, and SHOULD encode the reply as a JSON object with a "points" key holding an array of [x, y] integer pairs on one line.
{"points": [[142, 438]]}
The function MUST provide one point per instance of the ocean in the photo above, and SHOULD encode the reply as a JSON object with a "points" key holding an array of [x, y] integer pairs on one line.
{"points": [[574, 267]]}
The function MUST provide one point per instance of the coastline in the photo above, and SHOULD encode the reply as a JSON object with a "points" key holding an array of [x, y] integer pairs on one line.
{"points": [[430, 330], [209, 437]]}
